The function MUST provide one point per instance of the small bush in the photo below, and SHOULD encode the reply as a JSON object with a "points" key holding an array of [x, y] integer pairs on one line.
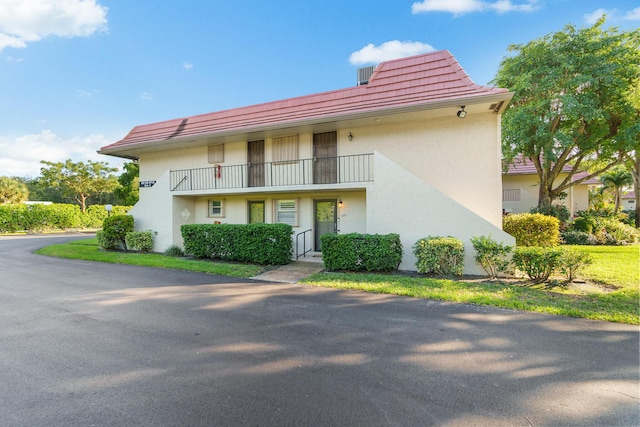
{"points": [[361, 252], [114, 231], [572, 261], [585, 224], [141, 241], [174, 251], [492, 256], [537, 262], [532, 229], [439, 255], [579, 238]]}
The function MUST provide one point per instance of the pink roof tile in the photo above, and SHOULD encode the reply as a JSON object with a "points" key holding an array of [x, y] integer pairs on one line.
{"points": [[418, 80]]}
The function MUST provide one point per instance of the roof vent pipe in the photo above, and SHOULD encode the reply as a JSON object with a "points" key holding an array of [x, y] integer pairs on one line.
{"points": [[364, 74]]}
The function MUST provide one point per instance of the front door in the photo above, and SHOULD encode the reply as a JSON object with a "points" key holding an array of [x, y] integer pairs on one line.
{"points": [[255, 167], [326, 220], [325, 158]]}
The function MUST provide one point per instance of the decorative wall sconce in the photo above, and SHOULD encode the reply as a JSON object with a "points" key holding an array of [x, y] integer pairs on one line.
{"points": [[350, 137], [462, 114], [340, 204]]}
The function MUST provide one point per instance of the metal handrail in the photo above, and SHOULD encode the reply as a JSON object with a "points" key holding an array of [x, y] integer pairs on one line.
{"points": [[305, 251]]}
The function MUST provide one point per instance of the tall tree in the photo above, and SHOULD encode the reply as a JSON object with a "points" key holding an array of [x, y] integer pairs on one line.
{"points": [[13, 190], [572, 103], [80, 180], [617, 179], [129, 192]]}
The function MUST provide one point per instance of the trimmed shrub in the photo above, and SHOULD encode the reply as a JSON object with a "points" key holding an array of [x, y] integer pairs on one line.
{"points": [[174, 251], [532, 229], [114, 231], [492, 256], [265, 244], [537, 262], [12, 218], [579, 238], [141, 241], [361, 252], [439, 255], [572, 261]]}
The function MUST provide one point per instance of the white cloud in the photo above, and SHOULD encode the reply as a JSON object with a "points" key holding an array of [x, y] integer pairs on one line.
{"points": [[592, 18], [459, 7], [388, 50], [24, 21], [147, 96], [14, 59], [187, 65], [633, 15], [21, 156]]}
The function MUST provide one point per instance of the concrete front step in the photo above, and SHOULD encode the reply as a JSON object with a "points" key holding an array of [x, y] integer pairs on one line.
{"points": [[291, 273]]}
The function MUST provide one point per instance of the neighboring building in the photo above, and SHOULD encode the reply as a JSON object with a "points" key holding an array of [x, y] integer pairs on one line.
{"points": [[628, 202], [520, 187], [390, 155]]}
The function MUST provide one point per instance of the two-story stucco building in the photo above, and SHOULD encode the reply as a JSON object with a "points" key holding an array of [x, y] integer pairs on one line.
{"points": [[413, 149]]}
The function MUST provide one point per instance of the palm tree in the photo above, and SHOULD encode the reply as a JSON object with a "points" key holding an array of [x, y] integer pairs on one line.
{"points": [[616, 179], [12, 190]]}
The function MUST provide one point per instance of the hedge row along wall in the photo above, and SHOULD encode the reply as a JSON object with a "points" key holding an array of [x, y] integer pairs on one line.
{"points": [[57, 216], [361, 252], [265, 244]]}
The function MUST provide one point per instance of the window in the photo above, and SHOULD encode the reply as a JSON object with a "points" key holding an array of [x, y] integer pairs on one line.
{"points": [[256, 212], [286, 212], [285, 148], [510, 194], [216, 208], [216, 153]]}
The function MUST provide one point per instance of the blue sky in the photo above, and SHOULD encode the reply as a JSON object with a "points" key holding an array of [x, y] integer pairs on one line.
{"points": [[76, 75]]}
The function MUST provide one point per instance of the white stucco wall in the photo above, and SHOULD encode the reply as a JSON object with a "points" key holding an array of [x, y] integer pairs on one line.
{"points": [[420, 210]]}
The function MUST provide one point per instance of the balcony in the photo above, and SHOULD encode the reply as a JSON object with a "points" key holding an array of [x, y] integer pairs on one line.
{"points": [[317, 171]]}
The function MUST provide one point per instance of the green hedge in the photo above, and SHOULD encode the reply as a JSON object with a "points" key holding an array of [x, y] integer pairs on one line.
{"points": [[56, 216], [361, 252], [439, 255], [114, 231], [532, 229], [264, 244]]}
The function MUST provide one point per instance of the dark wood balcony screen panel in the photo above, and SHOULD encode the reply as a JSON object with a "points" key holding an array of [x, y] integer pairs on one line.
{"points": [[255, 167], [325, 156]]}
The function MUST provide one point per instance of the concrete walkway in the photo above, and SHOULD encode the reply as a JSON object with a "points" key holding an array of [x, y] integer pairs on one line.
{"points": [[291, 273]]}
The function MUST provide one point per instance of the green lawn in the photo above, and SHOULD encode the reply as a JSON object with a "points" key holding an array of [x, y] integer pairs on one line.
{"points": [[610, 292], [614, 296], [88, 249]]}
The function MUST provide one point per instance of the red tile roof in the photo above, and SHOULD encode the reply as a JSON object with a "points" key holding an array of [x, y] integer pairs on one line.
{"points": [[524, 166], [413, 81]]}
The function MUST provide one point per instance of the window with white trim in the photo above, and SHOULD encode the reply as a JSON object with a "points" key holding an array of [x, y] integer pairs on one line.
{"points": [[287, 212], [216, 208], [510, 194], [285, 148]]}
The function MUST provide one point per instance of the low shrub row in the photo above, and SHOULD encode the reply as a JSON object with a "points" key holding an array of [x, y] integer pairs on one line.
{"points": [[264, 244], [361, 252], [57, 216], [118, 233], [589, 229]]}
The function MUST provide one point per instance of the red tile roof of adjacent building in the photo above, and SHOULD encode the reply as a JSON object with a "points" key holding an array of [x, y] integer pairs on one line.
{"points": [[524, 166], [413, 81]]}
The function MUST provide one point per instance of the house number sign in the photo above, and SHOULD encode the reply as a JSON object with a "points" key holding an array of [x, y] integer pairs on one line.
{"points": [[146, 184]]}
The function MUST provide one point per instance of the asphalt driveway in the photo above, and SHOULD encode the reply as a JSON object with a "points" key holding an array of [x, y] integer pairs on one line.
{"points": [[86, 344]]}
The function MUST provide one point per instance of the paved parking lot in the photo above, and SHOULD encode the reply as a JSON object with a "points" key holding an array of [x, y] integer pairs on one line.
{"points": [[97, 344]]}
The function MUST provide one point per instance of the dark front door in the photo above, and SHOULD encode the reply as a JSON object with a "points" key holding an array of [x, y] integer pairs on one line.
{"points": [[326, 220], [255, 167], [325, 158]]}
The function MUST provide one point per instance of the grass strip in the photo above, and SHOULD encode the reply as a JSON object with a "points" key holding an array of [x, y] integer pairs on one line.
{"points": [[88, 250]]}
